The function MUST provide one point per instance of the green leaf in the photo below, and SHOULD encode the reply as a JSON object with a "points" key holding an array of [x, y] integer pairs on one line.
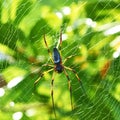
{"points": [[22, 10]]}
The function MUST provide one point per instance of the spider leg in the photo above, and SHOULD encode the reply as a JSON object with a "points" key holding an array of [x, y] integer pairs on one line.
{"points": [[35, 83], [70, 88], [59, 45], [52, 83], [60, 40], [49, 52], [49, 65], [76, 77], [68, 58]]}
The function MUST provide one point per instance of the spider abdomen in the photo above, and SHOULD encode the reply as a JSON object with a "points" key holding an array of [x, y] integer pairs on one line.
{"points": [[57, 60], [56, 56]]}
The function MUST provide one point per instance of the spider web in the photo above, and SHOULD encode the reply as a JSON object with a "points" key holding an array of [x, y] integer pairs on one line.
{"points": [[90, 33]]}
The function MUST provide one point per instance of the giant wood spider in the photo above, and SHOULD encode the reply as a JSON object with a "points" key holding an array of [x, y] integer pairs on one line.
{"points": [[58, 66]]}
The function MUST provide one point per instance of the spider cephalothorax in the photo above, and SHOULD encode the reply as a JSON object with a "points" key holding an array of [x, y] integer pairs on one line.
{"points": [[59, 67]]}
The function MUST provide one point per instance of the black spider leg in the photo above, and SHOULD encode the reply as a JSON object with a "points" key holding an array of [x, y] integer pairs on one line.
{"points": [[77, 78], [52, 83], [60, 46], [68, 58], [49, 52], [36, 82], [49, 65], [70, 88]]}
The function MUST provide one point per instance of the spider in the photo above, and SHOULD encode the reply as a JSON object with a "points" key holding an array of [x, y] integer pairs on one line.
{"points": [[58, 66]]}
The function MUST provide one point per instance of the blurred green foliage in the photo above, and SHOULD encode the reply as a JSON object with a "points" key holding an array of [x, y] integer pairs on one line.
{"points": [[90, 32]]}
